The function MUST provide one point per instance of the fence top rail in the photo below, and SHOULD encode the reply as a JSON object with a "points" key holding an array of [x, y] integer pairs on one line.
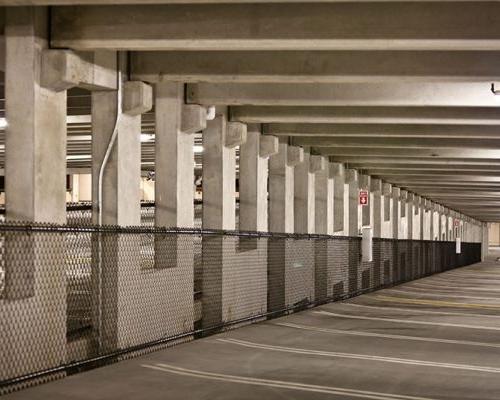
{"points": [[20, 226]]}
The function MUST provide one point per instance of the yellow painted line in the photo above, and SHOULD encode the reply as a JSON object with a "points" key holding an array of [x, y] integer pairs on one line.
{"points": [[438, 303]]}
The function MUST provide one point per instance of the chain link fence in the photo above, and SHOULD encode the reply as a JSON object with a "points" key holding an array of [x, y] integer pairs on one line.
{"points": [[73, 297]]}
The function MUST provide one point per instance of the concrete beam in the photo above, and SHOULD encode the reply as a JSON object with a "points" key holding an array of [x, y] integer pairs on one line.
{"points": [[409, 152], [311, 66], [401, 116], [194, 118], [137, 98], [323, 133], [344, 94], [235, 135], [65, 69], [269, 145], [295, 155], [317, 26], [317, 163]]}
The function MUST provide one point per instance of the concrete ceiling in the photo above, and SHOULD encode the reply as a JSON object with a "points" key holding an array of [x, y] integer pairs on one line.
{"points": [[400, 90]]}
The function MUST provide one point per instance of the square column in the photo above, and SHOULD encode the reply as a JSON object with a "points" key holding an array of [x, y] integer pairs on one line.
{"points": [[340, 217], [281, 186], [410, 211], [396, 203], [352, 179], [254, 160], [387, 227], [33, 306], [376, 191], [304, 203], [366, 210], [113, 279], [324, 199]]}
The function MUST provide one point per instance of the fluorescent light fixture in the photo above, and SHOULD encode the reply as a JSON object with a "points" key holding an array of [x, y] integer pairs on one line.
{"points": [[147, 137], [79, 157], [197, 148], [3, 123]]}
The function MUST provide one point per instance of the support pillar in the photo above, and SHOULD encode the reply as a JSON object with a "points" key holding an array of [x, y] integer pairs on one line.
{"points": [[175, 124], [113, 254], [340, 217], [410, 212], [254, 160], [376, 191], [220, 139], [387, 228], [324, 200], [35, 178], [484, 241], [366, 210], [352, 179], [396, 203], [281, 187]]}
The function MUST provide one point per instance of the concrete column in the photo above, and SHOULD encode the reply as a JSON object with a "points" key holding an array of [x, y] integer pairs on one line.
{"points": [[281, 187], [416, 217], [175, 124], [387, 205], [324, 199], [376, 191], [410, 212], [434, 220], [484, 241], [33, 306], [340, 218], [220, 140], [304, 184], [396, 192], [366, 210], [254, 160], [174, 159], [113, 279], [352, 179], [122, 175], [423, 225], [403, 211]]}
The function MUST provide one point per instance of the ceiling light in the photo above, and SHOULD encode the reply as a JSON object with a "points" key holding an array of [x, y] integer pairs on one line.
{"points": [[198, 148], [3, 123]]}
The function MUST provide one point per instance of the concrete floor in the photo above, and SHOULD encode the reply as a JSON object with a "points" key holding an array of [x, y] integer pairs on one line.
{"points": [[435, 338]]}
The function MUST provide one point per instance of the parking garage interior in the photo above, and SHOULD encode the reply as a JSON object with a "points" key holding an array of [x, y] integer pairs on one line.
{"points": [[247, 199]]}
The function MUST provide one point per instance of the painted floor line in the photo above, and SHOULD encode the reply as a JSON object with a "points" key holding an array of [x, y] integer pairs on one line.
{"points": [[450, 296], [364, 357], [421, 285], [416, 311], [386, 336], [437, 303], [353, 393], [407, 321]]}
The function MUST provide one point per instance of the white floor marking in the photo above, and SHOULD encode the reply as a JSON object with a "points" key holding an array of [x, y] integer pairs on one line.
{"points": [[387, 336], [365, 394], [408, 321], [461, 314], [364, 357], [422, 285], [451, 296]]}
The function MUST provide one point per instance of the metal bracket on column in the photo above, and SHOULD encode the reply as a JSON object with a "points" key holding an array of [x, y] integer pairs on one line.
{"points": [[65, 69], [268, 145], [295, 155], [137, 98], [236, 134], [317, 163], [193, 119]]}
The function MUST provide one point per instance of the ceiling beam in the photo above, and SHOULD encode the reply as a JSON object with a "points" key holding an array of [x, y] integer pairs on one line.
{"points": [[344, 94], [313, 66], [271, 26], [366, 115], [384, 130], [398, 142], [409, 152]]}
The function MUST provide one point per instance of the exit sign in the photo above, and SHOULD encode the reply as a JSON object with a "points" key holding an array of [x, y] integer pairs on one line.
{"points": [[363, 197], [456, 222]]}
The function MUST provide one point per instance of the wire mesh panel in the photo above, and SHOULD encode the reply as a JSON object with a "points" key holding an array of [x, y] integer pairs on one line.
{"points": [[77, 296]]}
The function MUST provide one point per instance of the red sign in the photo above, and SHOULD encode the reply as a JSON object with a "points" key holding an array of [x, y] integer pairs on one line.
{"points": [[363, 197], [456, 222]]}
